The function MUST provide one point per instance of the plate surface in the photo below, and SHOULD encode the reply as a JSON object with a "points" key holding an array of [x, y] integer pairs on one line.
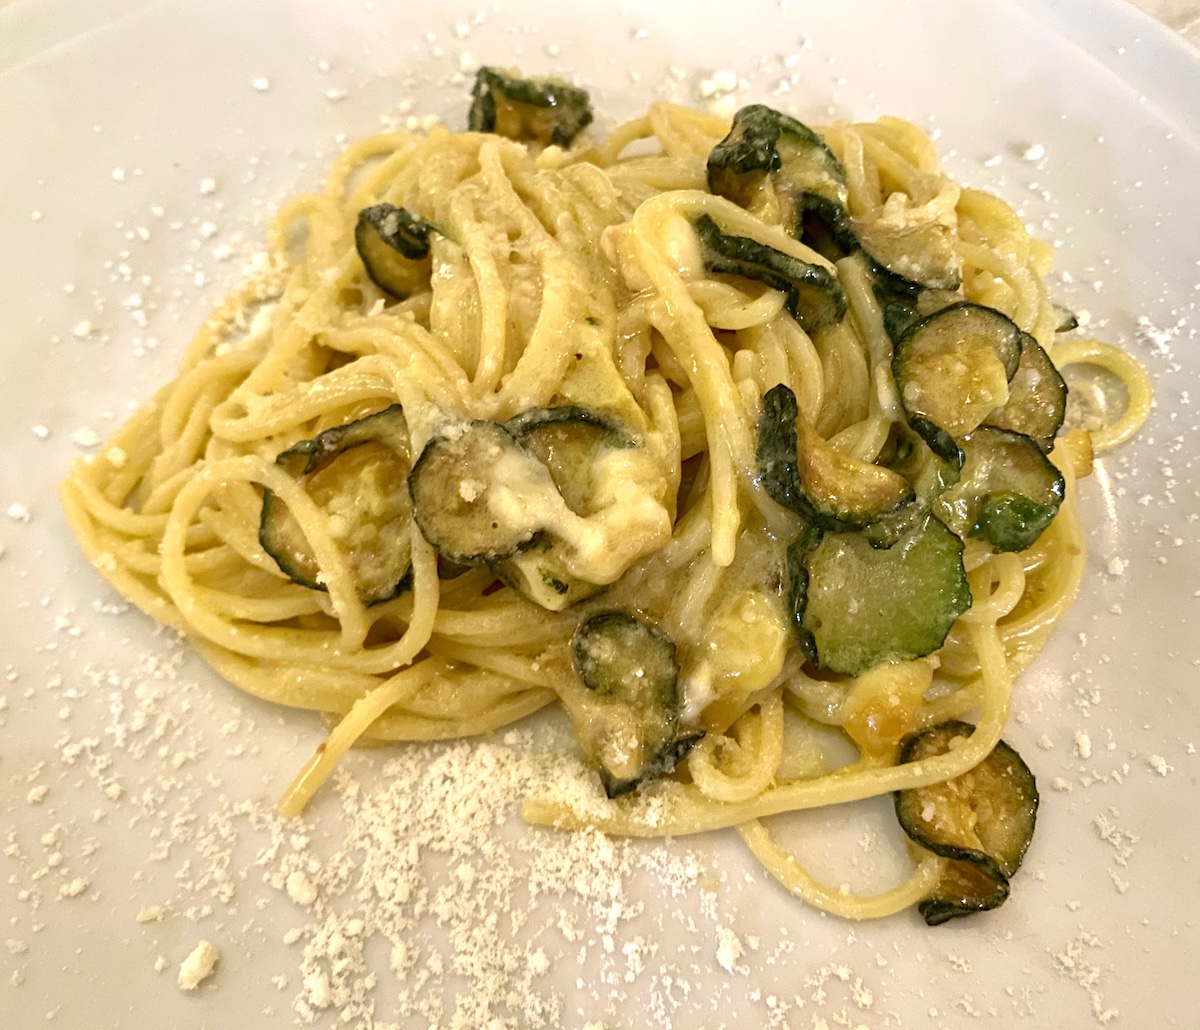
{"points": [[134, 778]]}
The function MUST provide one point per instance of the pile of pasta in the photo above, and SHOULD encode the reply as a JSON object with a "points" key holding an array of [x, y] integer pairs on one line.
{"points": [[622, 399]]}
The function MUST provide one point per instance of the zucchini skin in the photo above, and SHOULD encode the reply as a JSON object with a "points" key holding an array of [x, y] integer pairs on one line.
{"points": [[797, 589], [568, 108], [533, 419], [989, 871], [813, 295], [775, 453]]}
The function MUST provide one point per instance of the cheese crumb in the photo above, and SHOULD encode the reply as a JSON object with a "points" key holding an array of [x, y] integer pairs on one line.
{"points": [[300, 889], [1034, 153], [150, 914], [198, 966], [208, 187], [18, 512], [38, 794], [262, 83], [729, 948], [1159, 765], [74, 888], [82, 330], [1083, 744], [1117, 566], [85, 436]]}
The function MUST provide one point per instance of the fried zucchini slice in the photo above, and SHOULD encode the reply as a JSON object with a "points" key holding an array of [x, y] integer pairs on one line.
{"points": [[1037, 397], [982, 821], [393, 244], [627, 719], [803, 473], [357, 474], [1009, 491], [476, 493], [928, 474], [538, 110], [783, 172], [923, 254], [863, 605], [952, 370]]}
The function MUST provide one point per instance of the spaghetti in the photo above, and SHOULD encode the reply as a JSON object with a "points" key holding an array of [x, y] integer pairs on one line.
{"points": [[548, 277]]}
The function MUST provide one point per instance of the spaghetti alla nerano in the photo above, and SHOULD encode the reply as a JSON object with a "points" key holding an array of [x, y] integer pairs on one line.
{"points": [[722, 435]]}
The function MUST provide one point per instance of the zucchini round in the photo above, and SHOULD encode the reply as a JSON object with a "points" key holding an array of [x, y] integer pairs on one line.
{"points": [[476, 492], [812, 293], [1037, 397], [628, 720], [1009, 491], [568, 441], [357, 475], [923, 253], [863, 605], [982, 821], [953, 368], [541, 110], [770, 160]]}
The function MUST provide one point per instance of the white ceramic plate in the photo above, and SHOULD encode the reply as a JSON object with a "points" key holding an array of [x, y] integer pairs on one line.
{"points": [[112, 113]]}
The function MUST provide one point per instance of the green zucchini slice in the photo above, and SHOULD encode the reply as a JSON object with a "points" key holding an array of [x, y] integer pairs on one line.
{"points": [[778, 168], [865, 605], [628, 718], [476, 493], [1037, 397], [1009, 491], [541, 110], [812, 293], [982, 821], [393, 244], [803, 473], [357, 475], [952, 370], [569, 441]]}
